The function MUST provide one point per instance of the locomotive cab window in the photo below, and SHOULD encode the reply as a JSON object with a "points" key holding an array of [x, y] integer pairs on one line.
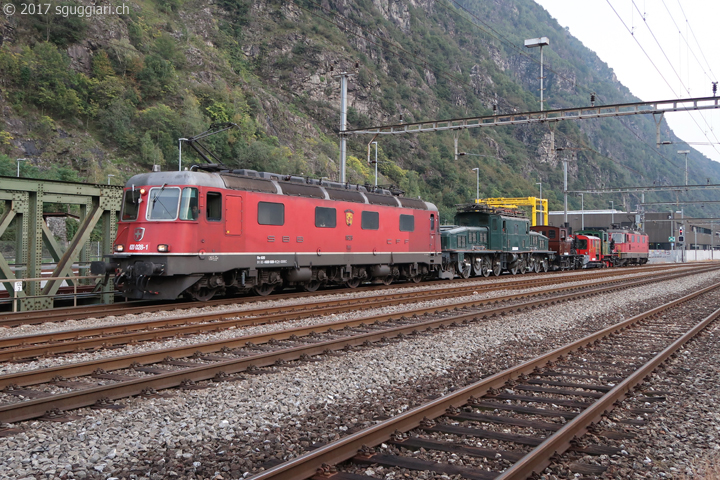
{"points": [[551, 233], [189, 209], [270, 213], [407, 223], [432, 223], [325, 217], [213, 203], [131, 205], [163, 203], [370, 221]]}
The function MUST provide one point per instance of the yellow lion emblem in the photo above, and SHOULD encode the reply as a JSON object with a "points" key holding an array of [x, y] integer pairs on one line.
{"points": [[348, 217]]}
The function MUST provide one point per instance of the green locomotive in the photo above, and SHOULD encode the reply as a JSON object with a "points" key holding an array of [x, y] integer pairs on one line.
{"points": [[487, 240]]}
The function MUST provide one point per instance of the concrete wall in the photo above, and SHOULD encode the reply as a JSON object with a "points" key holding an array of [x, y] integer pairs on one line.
{"points": [[677, 256]]}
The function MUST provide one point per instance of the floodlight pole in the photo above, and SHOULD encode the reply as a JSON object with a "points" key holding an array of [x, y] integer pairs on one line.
{"points": [[539, 42], [542, 212]]}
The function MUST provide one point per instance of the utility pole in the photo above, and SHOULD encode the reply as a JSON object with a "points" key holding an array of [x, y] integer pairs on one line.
{"points": [[180, 140], [456, 137], [343, 121], [375, 163], [685, 152], [477, 187], [565, 186], [542, 212], [18, 165]]}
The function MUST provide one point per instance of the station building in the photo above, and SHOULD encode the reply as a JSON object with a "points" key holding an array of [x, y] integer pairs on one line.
{"points": [[661, 227]]}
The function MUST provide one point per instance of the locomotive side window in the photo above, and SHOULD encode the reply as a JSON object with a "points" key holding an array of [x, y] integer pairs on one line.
{"points": [[407, 223], [163, 203], [189, 204], [370, 221], [271, 213], [551, 233], [213, 202], [432, 223], [131, 205], [325, 217]]}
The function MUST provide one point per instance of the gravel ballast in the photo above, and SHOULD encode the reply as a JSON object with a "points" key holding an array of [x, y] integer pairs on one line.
{"points": [[232, 429]]}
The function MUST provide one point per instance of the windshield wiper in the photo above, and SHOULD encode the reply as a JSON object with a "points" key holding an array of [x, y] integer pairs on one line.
{"points": [[155, 199]]}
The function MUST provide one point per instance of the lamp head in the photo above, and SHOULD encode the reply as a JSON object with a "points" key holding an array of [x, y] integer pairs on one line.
{"points": [[537, 42]]}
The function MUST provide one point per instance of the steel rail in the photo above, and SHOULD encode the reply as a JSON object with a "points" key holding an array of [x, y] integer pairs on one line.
{"points": [[22, 378], [305, 466], [85, 397], [29, 346], [136, 307], [559, 442]]}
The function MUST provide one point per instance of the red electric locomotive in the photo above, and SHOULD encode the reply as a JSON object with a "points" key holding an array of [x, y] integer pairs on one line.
{"points": [[628, 247], [590, 248], [201, 233]]}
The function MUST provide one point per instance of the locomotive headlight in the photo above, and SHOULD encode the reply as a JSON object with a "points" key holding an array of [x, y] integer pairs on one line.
{"points": [[142, 191], [119, 248], [163, 248]]}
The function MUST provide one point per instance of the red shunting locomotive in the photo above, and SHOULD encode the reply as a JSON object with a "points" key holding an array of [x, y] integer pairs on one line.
{"points": [[204, 233]]}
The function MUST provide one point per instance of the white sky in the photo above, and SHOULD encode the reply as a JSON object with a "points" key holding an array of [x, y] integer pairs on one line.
{"points": [[598, 27]]}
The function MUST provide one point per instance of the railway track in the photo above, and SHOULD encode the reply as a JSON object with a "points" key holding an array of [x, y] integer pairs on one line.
{"points": [[19, 348], [515, 423], [99, 382], [138, 307]]}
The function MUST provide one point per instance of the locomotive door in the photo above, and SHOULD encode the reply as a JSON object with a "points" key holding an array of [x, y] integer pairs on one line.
{"points": [[233, 215], [432, 232]]}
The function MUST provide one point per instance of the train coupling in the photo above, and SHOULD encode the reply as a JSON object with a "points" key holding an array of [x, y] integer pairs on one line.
{"points": [[101, 268]]}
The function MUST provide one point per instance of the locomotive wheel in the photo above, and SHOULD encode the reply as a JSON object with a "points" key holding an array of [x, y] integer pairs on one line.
{"points": [[513, 270], [263, 289], [545, 265], [477, 267], [496, 269], [204, 294], [353, 283], [465, 272], [416, 279], [538, 266], [522, 268], [486, 270], [310, 286], [387, 280]]}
